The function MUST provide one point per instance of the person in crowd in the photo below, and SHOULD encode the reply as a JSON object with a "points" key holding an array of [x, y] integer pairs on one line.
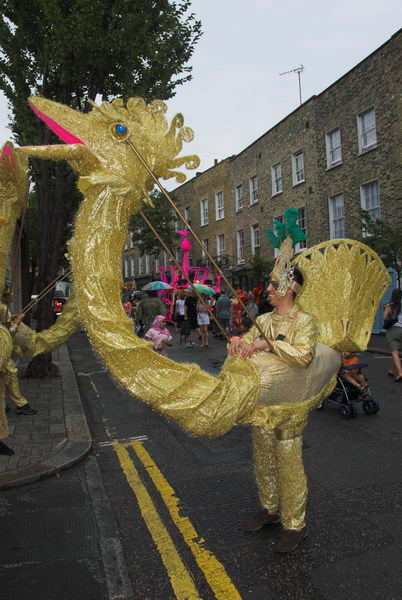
{"points": [[127, 307], [179, 311], [148, 309], [393, 313], [190, 317], [10, 375], [212, 309], [237, 309], [159, 335], [251, 309], [352, 376], [223, 307], [203, 320]]}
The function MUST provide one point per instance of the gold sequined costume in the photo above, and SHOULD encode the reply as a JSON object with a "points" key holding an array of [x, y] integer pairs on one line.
{"points": [[273, 390], [293, 375]]}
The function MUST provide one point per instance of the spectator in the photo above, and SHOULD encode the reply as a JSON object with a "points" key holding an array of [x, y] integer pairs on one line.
{"points": [[203, 320], [393, 313], [251, 307], [159, 335], [190, 316], [223, 306], [148, 309]]}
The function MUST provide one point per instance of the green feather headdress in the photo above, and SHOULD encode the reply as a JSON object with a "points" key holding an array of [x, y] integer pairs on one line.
{"points": [[285, 236]]}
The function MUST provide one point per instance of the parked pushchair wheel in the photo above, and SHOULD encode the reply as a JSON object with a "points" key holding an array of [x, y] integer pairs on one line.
{"points": [[348, 411], [371, 407]]}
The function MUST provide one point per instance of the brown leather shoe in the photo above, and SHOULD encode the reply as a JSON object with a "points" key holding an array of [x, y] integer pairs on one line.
{"points": [[290, 540], [264, 517]]}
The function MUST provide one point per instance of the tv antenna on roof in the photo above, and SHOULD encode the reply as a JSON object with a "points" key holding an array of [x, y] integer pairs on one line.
{"points": [[299, 71]]}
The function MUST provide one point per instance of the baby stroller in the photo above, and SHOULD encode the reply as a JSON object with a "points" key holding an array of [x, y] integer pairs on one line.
{"points": [[347, 396]]}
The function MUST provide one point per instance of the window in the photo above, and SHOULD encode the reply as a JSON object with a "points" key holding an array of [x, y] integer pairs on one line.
{"points": [[366, 129], [126, 268], [176, 223], [133, 266], [157, 264], [333, 145], [240, 247], [370, 199], [187, 214], [255, 239], [220, 245], [276, 174], [141, 265], [239, 198], [147, 264], [166, 258], [253, 190], [302, 222], [219, 206], [206, 244], [336, 217], [204, 211], [298, 167]]}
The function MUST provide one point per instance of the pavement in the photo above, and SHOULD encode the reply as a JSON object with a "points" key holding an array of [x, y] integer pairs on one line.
{"points": [[58, 436]]}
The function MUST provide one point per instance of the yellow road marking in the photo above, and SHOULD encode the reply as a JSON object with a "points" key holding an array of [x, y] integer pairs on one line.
{"points": [[214, 571], [180, 578]]}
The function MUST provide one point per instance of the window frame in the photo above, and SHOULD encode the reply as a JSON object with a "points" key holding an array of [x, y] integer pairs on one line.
{"points": [[361, 133], [240, 246], [255, 228], [332, 218], [220, 252], [302, 245], [274, 179], [206, 244], [219, 196], [253, 190], [295, 155], [329, 149], [204, 222], [238, 206], [187, 214], [378, 207]]}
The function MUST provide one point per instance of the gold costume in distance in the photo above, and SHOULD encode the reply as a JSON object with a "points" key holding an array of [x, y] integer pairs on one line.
{"points": [[292, 381]]}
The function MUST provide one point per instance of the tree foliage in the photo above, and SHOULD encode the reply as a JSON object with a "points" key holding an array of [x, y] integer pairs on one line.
{"points": [[260, 266], [386, 240], [161, 218], [72, 50]]}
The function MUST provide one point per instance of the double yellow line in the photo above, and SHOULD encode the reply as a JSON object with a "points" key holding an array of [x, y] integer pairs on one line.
{"points": [[180, 577]]}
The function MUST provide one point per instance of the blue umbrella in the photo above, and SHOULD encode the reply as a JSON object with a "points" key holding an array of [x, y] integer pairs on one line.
{"points": [[156, 285]]}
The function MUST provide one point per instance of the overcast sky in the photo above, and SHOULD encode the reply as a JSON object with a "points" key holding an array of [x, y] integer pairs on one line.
{"points": [[237, 94]]}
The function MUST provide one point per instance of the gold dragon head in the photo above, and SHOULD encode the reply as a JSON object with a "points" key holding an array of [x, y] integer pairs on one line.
{"points": [[100, 142]]}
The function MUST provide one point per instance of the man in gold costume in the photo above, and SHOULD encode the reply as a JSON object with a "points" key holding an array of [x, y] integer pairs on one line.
{"points": [[291, 338], [10, 373]]}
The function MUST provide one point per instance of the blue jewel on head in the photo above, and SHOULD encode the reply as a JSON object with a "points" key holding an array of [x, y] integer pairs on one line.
{"points": [[120, 129]]}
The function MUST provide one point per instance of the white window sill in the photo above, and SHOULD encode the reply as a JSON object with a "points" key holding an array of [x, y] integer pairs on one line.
{"points": [[369, 149], [241, 262], [252, 203], [277, 193], [299, 183], [239, 209], [330, 167], [220, 219], [204, 224]]}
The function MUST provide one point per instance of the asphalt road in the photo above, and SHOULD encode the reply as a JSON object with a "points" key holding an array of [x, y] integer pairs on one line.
{"points": [[154, 514]]}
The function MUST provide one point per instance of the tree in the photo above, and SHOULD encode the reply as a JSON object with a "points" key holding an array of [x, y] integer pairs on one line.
{"points": [[386, 240], [161, 218], [260, 267], [70, 51]]}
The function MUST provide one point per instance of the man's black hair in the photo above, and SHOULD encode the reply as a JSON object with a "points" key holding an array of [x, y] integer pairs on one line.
{"points": [[298, 275]]}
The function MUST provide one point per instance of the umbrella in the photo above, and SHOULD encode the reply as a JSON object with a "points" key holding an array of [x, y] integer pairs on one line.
{"points": [[156, 285], [202, 289]]}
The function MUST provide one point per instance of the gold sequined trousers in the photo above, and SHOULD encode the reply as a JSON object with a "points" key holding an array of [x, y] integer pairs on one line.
{"points": [[280, 476], [10, 376]]}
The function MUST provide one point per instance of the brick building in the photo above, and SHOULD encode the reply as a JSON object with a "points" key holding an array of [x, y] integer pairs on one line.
{"points": [[338, 152]]}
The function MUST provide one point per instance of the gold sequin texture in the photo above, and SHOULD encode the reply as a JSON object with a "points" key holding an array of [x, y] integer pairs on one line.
{"points": [[267, 390]]}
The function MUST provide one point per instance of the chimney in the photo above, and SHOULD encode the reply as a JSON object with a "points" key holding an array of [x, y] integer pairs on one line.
{"points": [[215, 161]]}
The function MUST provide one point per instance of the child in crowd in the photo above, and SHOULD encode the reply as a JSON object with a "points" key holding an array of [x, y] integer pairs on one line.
{"points": [[352, 376], [159, 335]]}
